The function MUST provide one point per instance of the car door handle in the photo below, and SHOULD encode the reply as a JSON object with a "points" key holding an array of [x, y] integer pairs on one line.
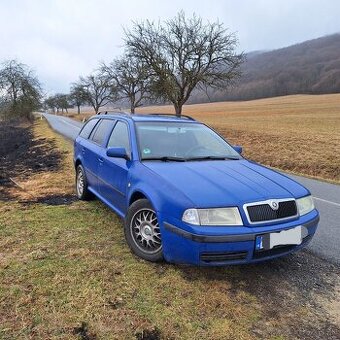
{"points": [[100, 160], [83, 150]]}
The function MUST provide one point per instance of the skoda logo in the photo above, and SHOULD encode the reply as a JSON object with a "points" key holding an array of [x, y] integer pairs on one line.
{"points": [[274, 205]]}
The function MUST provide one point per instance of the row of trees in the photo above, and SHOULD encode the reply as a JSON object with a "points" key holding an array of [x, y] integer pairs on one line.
{"points": [[20, 90], [94, 90], [162, 62], [58, 102]]}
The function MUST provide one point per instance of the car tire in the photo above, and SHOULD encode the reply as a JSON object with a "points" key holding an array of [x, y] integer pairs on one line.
{"points": [[82, 190], [142, 232]]}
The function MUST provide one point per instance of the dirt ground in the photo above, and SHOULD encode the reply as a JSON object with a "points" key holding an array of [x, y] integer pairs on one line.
{"points": [[25, 157], [22, 155]]}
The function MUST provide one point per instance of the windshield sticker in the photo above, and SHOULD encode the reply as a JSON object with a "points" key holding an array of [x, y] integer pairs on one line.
{"points": [[146, 151]]}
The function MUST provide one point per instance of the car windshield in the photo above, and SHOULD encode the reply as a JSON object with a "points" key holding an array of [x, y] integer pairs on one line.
{"points": [[176, 141]]}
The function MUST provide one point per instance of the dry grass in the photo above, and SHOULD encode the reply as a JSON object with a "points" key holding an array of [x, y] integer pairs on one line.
{"points": [[299, 134], [66, 272]]}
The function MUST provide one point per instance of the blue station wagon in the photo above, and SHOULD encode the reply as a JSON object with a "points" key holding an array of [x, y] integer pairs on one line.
{"points": [[186, 195]]}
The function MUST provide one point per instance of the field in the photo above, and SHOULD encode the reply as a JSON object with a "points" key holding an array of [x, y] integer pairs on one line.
{"points": [[299, 134], [66, 271]]}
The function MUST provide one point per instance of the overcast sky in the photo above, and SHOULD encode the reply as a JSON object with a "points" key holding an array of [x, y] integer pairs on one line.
{"points": [[62, 39]]}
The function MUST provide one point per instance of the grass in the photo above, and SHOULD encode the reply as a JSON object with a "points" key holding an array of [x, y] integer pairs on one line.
{"points": [[66, 269], [299, 134], [66, 272]]}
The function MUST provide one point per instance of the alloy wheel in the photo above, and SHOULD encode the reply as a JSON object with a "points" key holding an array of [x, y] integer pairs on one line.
{"points": [[145, 231], [80, 182]]}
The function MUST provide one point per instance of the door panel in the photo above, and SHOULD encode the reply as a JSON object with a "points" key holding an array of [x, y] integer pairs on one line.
{"points": [[113, 181], [114, 172], [92, 150], [90, 153]]}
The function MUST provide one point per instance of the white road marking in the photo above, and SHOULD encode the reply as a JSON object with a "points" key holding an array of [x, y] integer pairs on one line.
{"points": [[330, 202]]}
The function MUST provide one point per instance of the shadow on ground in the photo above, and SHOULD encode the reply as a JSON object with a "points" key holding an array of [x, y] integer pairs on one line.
{"points": [[285, 287]]}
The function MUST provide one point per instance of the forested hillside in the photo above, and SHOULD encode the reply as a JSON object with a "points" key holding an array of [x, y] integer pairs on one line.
{"points": [[311, 67]]}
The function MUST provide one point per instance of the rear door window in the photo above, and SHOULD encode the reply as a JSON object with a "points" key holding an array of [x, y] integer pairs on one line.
{"points": [[100, 133], [88, 127]]}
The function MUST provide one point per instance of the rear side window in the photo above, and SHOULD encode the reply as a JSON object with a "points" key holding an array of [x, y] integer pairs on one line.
{"points": [[88, 127], [120, 137], [103, 128]]}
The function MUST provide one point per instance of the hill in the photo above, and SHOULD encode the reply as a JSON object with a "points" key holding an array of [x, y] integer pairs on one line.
{"points": [[311, 67]]}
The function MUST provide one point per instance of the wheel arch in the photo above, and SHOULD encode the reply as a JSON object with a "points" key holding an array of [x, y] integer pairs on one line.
{"points": [[76, 163], [137, 195], [150, 195]]}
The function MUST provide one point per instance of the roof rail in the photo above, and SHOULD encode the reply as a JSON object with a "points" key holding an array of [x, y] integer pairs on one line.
{"points": [[171, 115], [114, 113]]}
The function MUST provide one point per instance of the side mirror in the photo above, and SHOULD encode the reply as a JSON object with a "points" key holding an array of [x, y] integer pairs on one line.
{"points": [[238, 148], [117, 153]]}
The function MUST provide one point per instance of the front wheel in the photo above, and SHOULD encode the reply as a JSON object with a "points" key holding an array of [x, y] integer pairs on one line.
{"points": [[142, 232]]}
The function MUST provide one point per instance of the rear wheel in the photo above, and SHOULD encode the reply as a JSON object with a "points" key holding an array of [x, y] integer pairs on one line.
{"points": [[81, 184], [142, 231]]}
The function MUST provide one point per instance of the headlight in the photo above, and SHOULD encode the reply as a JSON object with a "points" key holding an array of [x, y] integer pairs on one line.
{"points": [[305, 205], [218, 216]]}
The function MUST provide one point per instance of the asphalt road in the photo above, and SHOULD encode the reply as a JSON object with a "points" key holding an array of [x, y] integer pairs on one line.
{"points": [[65, 126], [326, 242]]}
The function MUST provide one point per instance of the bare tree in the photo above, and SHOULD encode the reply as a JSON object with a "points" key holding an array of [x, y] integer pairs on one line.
{"points": [[78, 95], [185, 54], [63, 102], [51, 103], [131, 79], [98, 91], [59, 101], [20, 90]]}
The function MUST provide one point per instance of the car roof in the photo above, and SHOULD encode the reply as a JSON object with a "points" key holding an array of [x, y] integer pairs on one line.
{"points": [[151, 117]]}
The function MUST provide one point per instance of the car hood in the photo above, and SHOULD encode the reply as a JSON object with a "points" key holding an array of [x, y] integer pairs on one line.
{"points": [[225, 183]]}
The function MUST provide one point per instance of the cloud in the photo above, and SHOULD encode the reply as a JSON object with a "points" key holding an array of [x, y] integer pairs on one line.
{"points": [[64, 39]]}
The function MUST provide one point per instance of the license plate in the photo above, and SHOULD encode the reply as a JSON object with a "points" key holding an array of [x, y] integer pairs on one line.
{"points": [[283, 238]]}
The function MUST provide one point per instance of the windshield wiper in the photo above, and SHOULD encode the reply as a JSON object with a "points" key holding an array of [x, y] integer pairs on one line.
{"points": [[217, 158], [165, 159]]}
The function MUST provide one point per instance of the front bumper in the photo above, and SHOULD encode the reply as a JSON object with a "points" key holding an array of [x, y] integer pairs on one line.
{"points": [[228, 246]]}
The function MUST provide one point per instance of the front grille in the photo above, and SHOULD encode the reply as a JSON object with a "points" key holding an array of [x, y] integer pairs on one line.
{"points": [[264, 212], [222, 257]]}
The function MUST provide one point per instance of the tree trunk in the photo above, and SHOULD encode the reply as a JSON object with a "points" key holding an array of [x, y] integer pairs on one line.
{"points": [[132, 102], [14, 94], [78, 109], [178, 110]]}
